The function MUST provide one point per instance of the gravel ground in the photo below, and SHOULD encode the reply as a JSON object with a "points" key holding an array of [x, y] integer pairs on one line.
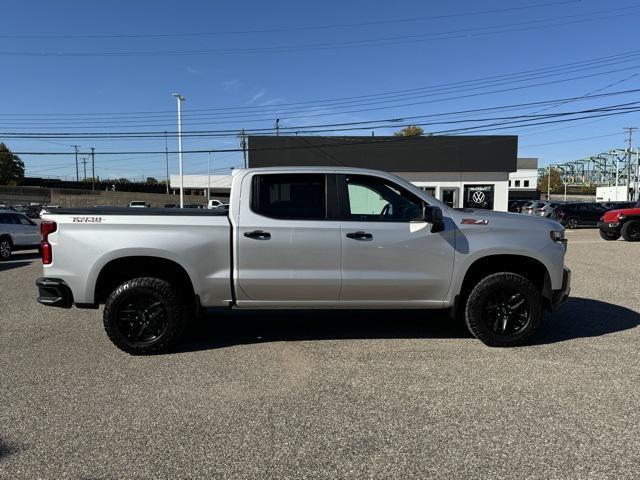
{"points": [[328, 394]]}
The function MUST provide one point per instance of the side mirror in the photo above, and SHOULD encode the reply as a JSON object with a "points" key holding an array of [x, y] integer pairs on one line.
{"points": [[433, 215]]}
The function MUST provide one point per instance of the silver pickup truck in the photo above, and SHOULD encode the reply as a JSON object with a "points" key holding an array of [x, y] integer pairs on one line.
{"points": [[304, 238]]}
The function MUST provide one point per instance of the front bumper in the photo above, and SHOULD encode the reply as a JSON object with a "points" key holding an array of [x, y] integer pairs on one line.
{"points": [[559, 297], [54, 292], [609, 227]]}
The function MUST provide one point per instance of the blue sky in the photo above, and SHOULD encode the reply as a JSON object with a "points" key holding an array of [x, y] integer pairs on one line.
{"points": [[259, 58]]}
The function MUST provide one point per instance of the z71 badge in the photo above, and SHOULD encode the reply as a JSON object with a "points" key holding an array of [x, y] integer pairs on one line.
{"points": [[87, 219]]}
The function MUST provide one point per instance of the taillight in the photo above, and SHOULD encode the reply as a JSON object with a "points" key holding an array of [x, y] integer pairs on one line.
{"points": [[46, 228]]}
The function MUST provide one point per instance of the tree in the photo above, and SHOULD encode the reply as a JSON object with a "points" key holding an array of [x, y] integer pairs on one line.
{"points": [[556, 182], [152, 181], [11, 167], [410, 131]]}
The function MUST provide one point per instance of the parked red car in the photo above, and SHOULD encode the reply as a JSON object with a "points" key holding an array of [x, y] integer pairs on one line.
{"points": [[624, 222]]}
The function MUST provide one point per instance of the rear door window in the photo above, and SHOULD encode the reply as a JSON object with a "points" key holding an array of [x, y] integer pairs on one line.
{"points": [[290, 196]]}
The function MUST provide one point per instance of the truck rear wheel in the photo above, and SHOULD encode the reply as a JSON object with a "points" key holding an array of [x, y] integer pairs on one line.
{"points": [[631, 231], [503, 310], [144, 316]]}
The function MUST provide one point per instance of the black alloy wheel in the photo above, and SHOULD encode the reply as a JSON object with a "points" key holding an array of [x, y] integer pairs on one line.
{"points": [[145, 315], [141, 319], [506, 312], [503, 309]]}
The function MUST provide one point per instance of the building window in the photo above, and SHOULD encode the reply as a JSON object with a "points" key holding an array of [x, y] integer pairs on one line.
{"points": [[526, 183], [509, 182], [430, 190], [478, 196], [517, 183]]}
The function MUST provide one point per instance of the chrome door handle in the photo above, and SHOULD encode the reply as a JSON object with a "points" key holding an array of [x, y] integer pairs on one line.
{"points": [[360, 235], [258, 235]]}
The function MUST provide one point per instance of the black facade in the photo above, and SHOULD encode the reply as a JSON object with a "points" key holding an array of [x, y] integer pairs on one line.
{"points": [[491, 153]]}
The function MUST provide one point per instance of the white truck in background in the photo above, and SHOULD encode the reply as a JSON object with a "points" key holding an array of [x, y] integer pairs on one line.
{"points": [[304, 238]]}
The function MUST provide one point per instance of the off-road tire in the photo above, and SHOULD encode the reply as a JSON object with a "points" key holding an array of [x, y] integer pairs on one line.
{"points": [[477, 300], [160, 291], [6, 248], [609, 236], [631, 231]]}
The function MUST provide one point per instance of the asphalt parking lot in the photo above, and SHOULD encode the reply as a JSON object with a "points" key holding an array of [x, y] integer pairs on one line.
{"points": [[328, 394]]}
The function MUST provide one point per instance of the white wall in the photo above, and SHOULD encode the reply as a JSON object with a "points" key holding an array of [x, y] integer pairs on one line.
{"points": [[441, 180], [611, 194], [524, 174]]}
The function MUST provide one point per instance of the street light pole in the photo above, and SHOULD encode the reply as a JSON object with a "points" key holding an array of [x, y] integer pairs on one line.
{"points": [[209, 179], [549, 183], [179, 100], [166, 155]]}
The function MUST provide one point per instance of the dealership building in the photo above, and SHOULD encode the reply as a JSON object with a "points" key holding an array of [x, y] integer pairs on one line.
{"points": [[462, 171]]}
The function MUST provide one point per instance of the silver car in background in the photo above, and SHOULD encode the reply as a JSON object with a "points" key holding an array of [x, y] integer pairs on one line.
{"points": [[542, 208], [17, 232], [547, 209]]}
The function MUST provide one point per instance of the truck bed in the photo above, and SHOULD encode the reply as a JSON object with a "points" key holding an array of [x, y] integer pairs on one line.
{"points": [[88, 239], [173, 212]]}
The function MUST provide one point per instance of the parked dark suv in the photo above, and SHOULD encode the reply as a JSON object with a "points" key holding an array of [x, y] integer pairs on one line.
{"points": [[574, 215]]}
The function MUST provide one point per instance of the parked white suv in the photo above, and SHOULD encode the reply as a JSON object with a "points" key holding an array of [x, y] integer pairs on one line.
{"points": [[17, 232]]}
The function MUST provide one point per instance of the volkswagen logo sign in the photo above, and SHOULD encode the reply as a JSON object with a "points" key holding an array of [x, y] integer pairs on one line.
{"points": [[478, 197]]}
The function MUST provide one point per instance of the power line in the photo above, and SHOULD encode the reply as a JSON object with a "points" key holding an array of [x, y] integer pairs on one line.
{"points": [[596, 62], [383, 41], [366, 140], [317, 128], [457, 97], [293, 29]]}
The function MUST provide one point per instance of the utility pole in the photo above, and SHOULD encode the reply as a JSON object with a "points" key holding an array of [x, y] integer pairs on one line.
{"points": [[630, 132], [166, 154], [277, 127], [84, 163], [549, 183], [77, 173], [93, 169], [243, 145]]}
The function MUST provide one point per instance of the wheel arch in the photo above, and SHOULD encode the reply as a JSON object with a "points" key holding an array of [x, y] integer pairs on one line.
{"points": [[119, 270], [8, 237], [529, 267]]}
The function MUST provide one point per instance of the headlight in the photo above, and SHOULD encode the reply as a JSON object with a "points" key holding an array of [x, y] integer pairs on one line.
{"points": [[558, 236]]}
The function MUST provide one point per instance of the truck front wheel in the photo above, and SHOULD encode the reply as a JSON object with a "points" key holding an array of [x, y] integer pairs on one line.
{"points": [[503, 310], [144, 316]]}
